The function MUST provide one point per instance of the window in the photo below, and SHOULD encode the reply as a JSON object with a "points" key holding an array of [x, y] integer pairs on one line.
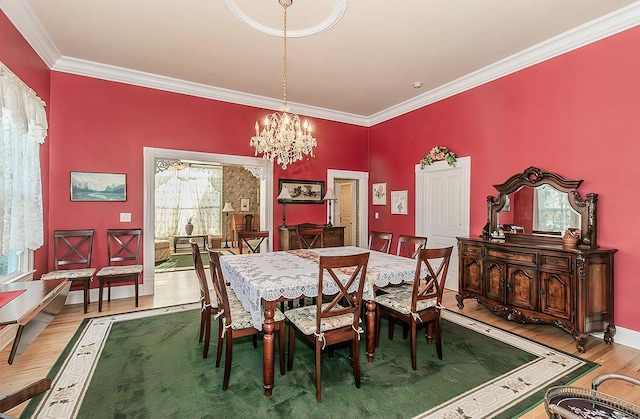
{"points": [[23, 127], [187, 192], [554, 214]]}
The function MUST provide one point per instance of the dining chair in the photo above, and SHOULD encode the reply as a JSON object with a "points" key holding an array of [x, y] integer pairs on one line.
{"points": [[328, 323], [410, 246], [234, 321], [247, 223], [123, 258], [208, 298], [380, 241], [422, 303], [252, 240], [309, 238], [72, 251]]}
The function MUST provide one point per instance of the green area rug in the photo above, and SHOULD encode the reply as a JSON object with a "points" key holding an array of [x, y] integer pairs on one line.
{"points": [[149, 365], [184, 261]]}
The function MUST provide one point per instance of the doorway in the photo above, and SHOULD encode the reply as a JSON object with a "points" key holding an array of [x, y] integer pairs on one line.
{"points": [[353, 206], [262, 169]]}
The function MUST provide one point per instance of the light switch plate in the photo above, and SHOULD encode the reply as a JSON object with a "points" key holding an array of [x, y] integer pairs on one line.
{"points": [[125, 217]]}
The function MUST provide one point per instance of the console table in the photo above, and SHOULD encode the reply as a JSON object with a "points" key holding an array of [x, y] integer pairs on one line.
{"points": [[288, 238], [203, 237], [32, 310]]}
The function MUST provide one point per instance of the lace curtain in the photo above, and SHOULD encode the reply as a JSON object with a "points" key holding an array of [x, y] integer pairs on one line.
{"points": [[23, 127], [190, 193]]}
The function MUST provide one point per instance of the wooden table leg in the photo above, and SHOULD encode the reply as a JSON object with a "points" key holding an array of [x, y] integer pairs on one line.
{"points": [[268, 347], [371, 330]]}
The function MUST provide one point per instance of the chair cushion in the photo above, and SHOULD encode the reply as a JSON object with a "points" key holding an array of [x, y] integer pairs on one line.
{"points": [[71, 274], [304, 318], [120, 270], [391, 289], [241, 318], [400, 301]]}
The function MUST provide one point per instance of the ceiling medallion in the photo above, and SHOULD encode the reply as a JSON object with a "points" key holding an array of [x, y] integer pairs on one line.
{"points": [[337, 13]]}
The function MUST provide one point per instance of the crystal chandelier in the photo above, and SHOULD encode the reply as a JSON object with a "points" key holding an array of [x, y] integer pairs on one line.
{"points": [[283, 138]]}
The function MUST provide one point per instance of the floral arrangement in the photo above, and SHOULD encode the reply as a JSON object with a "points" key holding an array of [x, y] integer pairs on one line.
{"points": [[438, 153]]}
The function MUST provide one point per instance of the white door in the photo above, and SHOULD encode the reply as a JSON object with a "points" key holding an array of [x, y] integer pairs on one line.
{"points": [[442, 208]]}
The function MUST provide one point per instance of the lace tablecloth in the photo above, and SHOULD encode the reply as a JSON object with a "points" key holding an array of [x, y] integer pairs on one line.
{"points": [[287, 275]]}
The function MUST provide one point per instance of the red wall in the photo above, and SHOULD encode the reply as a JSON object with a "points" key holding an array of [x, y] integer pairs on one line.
{"points": [[22, 60], [576, 115], [102, 126]]}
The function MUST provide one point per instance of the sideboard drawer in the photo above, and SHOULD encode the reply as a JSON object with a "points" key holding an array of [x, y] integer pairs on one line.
{"points": [[556, 262], [525, 258]]}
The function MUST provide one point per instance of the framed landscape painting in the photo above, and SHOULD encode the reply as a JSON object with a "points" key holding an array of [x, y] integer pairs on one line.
{"points": [[303, 191], [89, 186]]}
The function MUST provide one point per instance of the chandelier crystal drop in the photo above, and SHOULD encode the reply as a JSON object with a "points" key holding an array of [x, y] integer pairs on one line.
{"points": [[284, 138]]}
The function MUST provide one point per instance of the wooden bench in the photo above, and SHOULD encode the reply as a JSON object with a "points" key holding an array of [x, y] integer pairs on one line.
{"points": [[32, 310]]}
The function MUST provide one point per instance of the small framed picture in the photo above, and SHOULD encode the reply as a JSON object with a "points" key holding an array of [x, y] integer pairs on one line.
{"points": [[87, 186], [399, 202], [244, 204], [379, 194]]}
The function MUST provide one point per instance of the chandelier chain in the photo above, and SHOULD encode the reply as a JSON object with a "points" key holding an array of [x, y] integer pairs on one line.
{"points": [[284, 138], [284, 61]]}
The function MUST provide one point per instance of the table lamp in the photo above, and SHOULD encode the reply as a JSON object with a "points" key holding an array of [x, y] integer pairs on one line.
{"points": [[284, 195], [227, 209], [329, 196]]}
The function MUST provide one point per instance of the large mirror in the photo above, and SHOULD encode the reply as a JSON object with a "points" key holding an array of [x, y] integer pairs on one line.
{"points": [[542, 204]]}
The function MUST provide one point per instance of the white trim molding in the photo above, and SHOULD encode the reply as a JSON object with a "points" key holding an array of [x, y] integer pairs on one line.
{"points": [[363, 198]]}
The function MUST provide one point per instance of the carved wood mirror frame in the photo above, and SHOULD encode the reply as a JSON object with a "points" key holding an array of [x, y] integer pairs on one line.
{"points": [[533, 177]]}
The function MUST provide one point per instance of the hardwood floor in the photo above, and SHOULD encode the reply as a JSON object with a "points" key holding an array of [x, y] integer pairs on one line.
{"points": [[181, 287]]}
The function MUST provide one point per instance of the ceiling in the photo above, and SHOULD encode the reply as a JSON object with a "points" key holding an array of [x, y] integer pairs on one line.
{"points": [[361, 70]]}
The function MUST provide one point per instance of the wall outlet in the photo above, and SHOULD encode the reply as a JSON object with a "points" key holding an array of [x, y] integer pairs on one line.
{"points": [[125, 217], [376, 215]]}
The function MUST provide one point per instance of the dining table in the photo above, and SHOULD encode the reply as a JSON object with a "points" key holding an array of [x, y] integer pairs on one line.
{"points": [[261, 280]]}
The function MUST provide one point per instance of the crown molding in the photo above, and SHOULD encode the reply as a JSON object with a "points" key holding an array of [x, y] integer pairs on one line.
{"points": [[595, 30], [27, 23], [29, 26], [155, 81]]}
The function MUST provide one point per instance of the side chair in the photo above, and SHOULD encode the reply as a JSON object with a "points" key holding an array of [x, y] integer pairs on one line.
{"points": [[308, 238], [208, 299], [234, 321], [410, 246], [72, 251], [123, 257], [380, 241], [421, 303], [329, 323], [252, 240]]}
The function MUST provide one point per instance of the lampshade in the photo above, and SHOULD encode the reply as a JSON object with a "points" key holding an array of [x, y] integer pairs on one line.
{"points": [[329, 196], [227, 207], [284, 193]]}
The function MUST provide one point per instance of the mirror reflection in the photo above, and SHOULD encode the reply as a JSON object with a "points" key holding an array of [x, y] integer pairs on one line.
{"points": [[539, 210]]}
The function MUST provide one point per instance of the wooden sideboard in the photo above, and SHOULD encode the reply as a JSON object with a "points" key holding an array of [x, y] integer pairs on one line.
{"points": [[555, 273], [288, 239], [571, 288]]}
